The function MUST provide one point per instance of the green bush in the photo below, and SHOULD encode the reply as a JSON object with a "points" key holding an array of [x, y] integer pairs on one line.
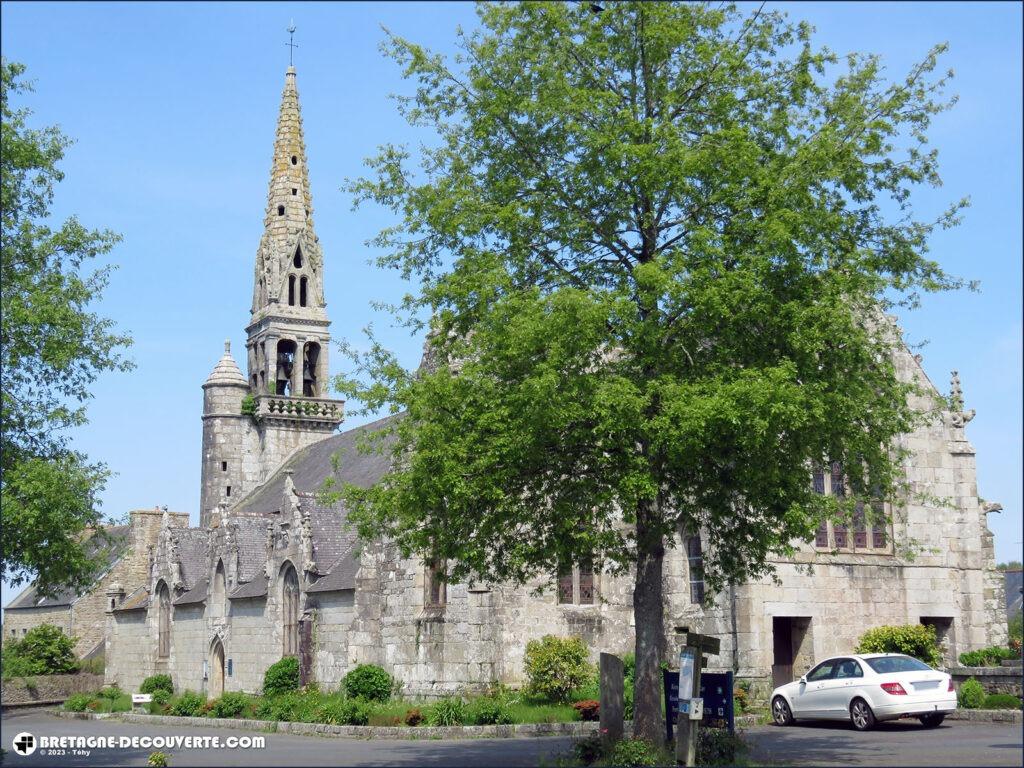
{"points": [[231, 704], [448, 711], [971, 694], [111, 693], [281, 677], [917, 640], [490, 711], [161, 696], [630, 752], [716, 746], [347, 712], [158, 760], [156, 683], [1015, 627], [44, 650], [987, 657], [77, 702], [1001, 701], [189, 704], [556, 666], [368, 681]]}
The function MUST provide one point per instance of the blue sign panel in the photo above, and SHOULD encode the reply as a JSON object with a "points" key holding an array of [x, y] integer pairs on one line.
{"points": [[716, 690]]}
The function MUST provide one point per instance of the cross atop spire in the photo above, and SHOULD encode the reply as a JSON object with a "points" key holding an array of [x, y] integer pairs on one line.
{"points": [[291, 43]]}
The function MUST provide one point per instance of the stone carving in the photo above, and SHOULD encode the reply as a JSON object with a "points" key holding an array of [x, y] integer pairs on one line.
{"points": [[178, 582], [268, 564], [306, 541], [956, 400]]}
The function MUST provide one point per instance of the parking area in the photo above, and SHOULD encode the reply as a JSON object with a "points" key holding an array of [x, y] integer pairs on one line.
{"points": [[900, 743]]}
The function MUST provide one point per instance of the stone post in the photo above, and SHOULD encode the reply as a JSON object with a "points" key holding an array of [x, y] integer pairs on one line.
{"points": [[612, 700]]}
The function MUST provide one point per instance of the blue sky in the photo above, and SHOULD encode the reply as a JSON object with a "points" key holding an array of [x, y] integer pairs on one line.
{"points": [[173, 105]]}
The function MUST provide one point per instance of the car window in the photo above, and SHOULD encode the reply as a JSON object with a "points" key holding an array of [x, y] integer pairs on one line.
{"points": [[849, 668], [823, 671], [885, 664]]}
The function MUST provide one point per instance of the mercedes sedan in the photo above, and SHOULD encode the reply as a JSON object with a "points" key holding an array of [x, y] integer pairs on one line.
{"points": [[864, 689]]}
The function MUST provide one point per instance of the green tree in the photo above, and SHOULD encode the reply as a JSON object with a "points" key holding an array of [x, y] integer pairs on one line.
{"points": [[655, 248], [1013, 565], [52, 350]]}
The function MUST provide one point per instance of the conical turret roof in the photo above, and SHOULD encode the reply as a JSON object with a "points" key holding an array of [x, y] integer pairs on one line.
{"points": [[226, 371]]}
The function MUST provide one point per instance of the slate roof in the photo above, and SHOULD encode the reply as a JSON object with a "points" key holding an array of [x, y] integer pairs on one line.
{"points": [[312, 465], [136, 601], [255, 588], [251, 536], [110, 549], [195, 595], [193, 546], [1013, 581]]}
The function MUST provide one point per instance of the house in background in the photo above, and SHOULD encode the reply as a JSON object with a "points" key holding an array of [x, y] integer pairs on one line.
{"points": [[124, 552]]}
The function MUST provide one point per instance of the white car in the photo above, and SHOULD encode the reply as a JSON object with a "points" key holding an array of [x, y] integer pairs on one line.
{"points": [[866, 688]]}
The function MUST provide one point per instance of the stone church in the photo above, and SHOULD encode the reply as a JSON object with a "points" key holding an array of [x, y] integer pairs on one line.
{"points": [[270, 572]]}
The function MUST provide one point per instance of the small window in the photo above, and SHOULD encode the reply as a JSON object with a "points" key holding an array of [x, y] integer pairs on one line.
{"points": [[295, 160], [295, 191], [436, 594], [291, 290], [229, 490], [577, 585], [297, 261], [223, 466], [280, 210], [695, 558], [302, 292]]}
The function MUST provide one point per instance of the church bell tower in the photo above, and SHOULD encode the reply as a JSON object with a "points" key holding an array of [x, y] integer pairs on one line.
{"points": [[287, 342]]}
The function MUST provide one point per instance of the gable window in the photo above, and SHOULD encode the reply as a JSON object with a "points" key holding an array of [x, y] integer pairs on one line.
{"points": [[163, 644], [837, 535], [435, 595], [290, 610], [577, 584], [695, 563]]}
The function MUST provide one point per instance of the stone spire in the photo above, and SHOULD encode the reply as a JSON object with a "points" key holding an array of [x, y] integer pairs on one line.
{"points": [[288, 335], [289, 263]]}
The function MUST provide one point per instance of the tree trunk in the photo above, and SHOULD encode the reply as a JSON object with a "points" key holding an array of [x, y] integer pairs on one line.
{"points": [[649, 615]]}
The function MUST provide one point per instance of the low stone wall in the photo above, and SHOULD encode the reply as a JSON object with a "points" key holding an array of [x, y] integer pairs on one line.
{"points": [[993, 679], [46, 689], [1014, 716]]}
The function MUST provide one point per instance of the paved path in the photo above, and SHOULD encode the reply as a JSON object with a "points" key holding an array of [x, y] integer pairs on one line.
{"points": [[954, 743], [281, 749], [890, 744]]}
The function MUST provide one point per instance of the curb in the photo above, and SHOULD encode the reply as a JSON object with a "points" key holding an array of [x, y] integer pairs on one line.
{"points": [[524, 730], [1014, 716]]}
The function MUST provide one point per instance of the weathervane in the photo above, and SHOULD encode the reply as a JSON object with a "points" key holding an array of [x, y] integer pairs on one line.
{"points": [[291, 42]]}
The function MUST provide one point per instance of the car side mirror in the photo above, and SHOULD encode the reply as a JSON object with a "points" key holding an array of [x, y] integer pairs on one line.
{"points": [[803, 679]]}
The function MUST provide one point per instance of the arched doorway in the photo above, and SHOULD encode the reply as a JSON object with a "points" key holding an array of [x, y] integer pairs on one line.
{"points": [[217, 670]]}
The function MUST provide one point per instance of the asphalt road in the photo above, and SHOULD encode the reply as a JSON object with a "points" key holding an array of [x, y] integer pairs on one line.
{"points": [[281, 749], [954, 743]]}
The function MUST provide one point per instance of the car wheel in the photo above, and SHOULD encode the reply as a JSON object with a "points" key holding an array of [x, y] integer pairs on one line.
{"points": [[781, 712], [932, 721], [861, 716]]}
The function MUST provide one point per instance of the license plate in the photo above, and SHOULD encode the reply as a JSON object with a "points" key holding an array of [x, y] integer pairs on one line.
{"points": [[926, 685]]}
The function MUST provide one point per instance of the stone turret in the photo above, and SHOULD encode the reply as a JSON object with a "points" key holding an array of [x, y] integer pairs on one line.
{"points": [[225, 433]]}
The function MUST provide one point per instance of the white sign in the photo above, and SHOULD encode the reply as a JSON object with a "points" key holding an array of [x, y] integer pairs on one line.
{"points": [[141, 698], [685, 674]]}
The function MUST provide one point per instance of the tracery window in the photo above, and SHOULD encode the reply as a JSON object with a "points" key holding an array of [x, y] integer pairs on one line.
{"points": [[837, 535]]}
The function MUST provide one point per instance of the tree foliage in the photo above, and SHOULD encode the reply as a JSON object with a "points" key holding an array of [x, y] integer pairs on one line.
{"points": [[53, 348], [44, 650], [656, 244]]}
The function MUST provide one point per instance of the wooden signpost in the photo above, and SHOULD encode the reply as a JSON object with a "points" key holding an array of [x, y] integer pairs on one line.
{"points": [[694, 647]]}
